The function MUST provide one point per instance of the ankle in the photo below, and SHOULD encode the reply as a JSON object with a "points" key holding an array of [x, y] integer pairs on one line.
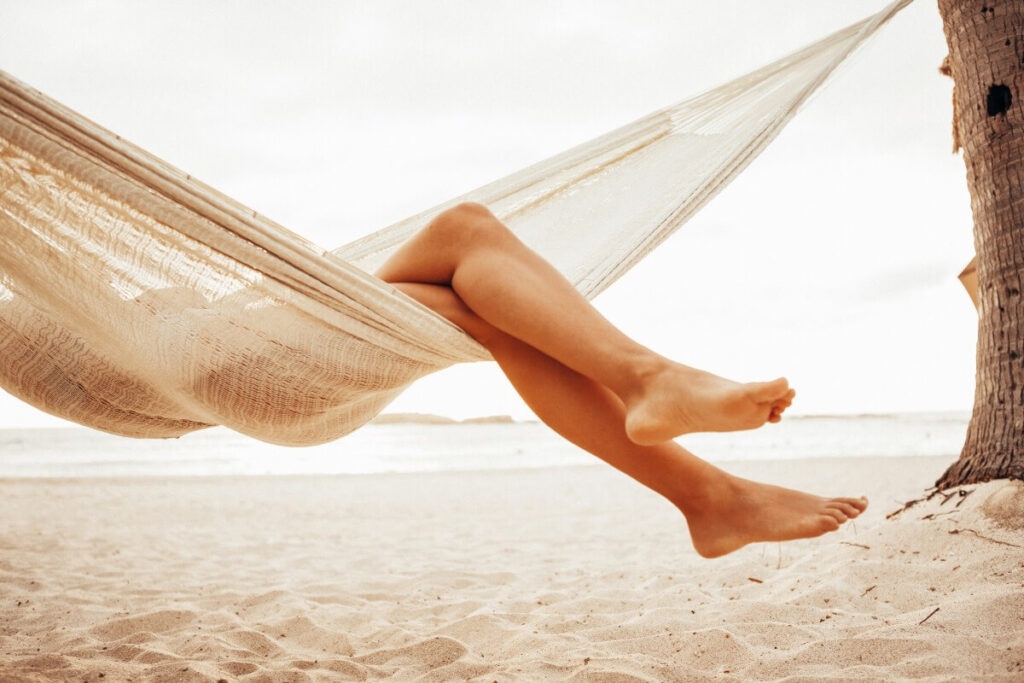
{"points": [[704, 494], [640, 373]]}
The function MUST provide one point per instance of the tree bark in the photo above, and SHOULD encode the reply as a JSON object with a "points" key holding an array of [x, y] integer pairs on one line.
{"points": [[986, 56]]}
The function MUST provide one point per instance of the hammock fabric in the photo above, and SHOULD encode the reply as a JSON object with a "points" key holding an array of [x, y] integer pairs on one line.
{"points": [[136, 300]]}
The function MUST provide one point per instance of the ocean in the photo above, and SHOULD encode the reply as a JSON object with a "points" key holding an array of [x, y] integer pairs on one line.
{"points": [[416, 447]]}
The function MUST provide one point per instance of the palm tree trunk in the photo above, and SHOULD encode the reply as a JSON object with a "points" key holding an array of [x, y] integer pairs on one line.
{"points": [[986, 56]]}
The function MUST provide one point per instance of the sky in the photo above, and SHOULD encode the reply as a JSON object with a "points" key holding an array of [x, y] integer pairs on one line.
{"points": [[832, 260]]}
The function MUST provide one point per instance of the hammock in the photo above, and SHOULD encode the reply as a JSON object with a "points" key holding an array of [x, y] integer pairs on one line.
{"points": [[136, 300]]}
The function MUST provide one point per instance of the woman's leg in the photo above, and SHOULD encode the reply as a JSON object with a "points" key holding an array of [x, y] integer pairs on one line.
{"points": [[723, 512], [516, 291]]}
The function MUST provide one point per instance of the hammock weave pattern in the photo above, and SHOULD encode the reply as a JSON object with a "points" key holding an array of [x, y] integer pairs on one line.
{"points": [[136, 300]]}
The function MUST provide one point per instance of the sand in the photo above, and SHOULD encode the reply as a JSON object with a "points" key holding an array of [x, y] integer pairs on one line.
{"points": [[565, 574]]}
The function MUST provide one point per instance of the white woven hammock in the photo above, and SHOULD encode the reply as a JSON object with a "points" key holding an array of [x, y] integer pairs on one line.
{"points": [[136, 300]]}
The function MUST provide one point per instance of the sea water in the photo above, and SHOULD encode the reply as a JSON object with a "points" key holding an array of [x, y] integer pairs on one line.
{"points": [[415, 447]]}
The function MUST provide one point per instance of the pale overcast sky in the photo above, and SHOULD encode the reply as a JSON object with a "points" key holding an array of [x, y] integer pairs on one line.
{"points": [[832, 260]]}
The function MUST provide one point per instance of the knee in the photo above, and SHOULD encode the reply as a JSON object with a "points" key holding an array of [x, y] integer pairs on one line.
{"points": [[468, 211], [467, 222]]}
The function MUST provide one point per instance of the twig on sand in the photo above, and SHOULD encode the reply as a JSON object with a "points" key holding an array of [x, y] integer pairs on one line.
{"points": [[963, 493], [751, 578], [933, 515], [906, 506], [859, 545], [928, 617], [987, 538], [931, 493], [868, 590]]}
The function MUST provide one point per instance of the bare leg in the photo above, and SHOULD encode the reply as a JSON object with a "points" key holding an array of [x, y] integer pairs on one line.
{"points": [[723, 512], [516, 291]]}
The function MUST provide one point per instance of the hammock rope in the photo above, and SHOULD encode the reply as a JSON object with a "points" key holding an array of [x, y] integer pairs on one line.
{"points": [[137, 300]]}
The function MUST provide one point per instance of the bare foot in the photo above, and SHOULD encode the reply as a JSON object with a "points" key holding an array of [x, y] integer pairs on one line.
{"points": [[677, 399], [728, 517]]}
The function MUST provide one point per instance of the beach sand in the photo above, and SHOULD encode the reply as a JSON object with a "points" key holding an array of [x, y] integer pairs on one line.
{"points": [[561, 574]]}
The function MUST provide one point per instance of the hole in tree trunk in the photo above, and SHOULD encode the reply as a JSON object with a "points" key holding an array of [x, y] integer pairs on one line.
{"points": [[998, 100]]}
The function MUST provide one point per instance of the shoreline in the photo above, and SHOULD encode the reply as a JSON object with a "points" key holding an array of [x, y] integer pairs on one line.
{"points": [[451, 447], [595, 463]]}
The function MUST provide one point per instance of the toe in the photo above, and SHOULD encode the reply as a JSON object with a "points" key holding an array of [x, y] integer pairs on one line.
{"points": [[776, 410], [785, 401], [849, 510], [762, 392], [860, 504], [829, 523], [836, 514]]}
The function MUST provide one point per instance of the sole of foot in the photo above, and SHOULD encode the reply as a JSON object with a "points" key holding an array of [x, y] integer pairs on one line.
{"points": [[682, 400]]}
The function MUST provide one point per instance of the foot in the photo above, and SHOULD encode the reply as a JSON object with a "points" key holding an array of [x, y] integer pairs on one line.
{"points": [[677, 399], [728, 517]]}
